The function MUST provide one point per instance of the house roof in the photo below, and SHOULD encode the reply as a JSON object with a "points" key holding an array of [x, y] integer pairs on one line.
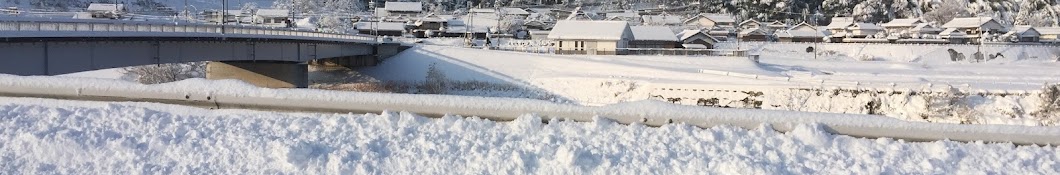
{"points": [[403, 6], [803, 26], [622, 14], [718, 18], [590, 30], [926, 27], [952, 32], [750, 21], [105, 7], [273, 12], [1048, 30], [482, 10], [865, 26], [695, 46], [751, 31], [652, 33], [515, 11], [840, 22], [381, 26], [662, 19], [906, 22], [1026, 31], [972, 22], [683, 35]]}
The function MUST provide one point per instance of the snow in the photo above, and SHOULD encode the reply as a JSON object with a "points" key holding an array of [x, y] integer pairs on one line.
{"points": [[840, 22], [590, 30], [971, 22], [865, 26], [662, 19], [272, 12], [904, 22], [105, 7], [515, 11], [404, 6], [653, 33], [113, 73], [383, 26], [685, 34], [53, 136]]}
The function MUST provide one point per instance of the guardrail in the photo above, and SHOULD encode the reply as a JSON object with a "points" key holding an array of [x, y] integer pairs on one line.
{"points": [[507, 109], [31, 27]]}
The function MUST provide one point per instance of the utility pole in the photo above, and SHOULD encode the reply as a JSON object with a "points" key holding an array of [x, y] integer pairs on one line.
{"points": [[224, 15]]}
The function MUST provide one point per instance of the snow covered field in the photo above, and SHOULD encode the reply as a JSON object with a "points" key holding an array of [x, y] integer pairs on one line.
{"points": [[601, 80], [53, 136]]}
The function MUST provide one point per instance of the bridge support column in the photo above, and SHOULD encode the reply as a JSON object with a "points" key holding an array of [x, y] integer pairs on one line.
{"points": [[260, 73], [349, 62]]}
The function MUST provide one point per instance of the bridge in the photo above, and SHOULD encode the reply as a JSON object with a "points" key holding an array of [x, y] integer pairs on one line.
{"points": [[267, 57]]}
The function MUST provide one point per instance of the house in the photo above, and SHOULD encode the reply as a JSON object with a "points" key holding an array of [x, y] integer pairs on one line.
{"points": [[515, 12], [800, 33], [838, 27], [632, 18], [661, 20], [457, 28], [539, 34], [776, 25], [103, 10], [652, 37], [974, 27], [380, 28], [751, 24], [955, 36], [902, 25], [711, 21], [722, 33], [228, 15], [925, 29], [863, 30], [403, 8], [1024, 34], [590, 37], [430, 25], [753, 34], [1048, 34], [272, 16], [696, 37]]}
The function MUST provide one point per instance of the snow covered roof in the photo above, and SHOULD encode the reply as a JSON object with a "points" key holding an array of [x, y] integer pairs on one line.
{"points": [[972, 22], [683, 35], [840, 22], [717, 18], [652, 33], [799, 33], [433, 18], [752, 31], [482, 10], [272, 12], [1048, 30], [750, 22], [381, 26], [515, 11], [662, 19], [590, 30], [952, 33], [865, 26], [694, 46], [403, 6], [907, 22], [105, 7], [622, 14], [1025, 31], [804, 27]]}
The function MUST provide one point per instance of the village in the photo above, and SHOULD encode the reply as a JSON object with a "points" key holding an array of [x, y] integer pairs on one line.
{"points": [[578, 30]]}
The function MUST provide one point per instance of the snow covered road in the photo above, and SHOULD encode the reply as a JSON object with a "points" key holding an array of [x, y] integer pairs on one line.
{"points": [[40, 136]]}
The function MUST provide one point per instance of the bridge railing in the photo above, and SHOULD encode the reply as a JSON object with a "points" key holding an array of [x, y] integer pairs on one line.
{"points": [[29, 27]]}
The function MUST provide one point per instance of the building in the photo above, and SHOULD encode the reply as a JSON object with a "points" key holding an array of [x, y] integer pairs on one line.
{"points": [[800, 33], [652, 37], [272, 16], [661, 20], [103, 10], [1048, 34], [408, 9], [696, 37], [776, 25], [955, 36], [711, 21], [380, 28], [430, 25], [751, 24], [925, 29], [1024, 34], [838, 27], [515, 12], [863, 30], [753, 34], [590, 37], [974, 27], [902, 25]]}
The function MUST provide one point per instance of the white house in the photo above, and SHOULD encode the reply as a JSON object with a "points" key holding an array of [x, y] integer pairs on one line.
{"points": [[800, 33], [652, 37], [272, 16], [102, 10], [380, 28], [696, 37], [590, 37], [838, 27], [515, 12], [711, 21], [902, 25], [751, 23], [974, 27], [1048, 34], [862, 30], [403, 8], [660, 20], [1024, 34]]}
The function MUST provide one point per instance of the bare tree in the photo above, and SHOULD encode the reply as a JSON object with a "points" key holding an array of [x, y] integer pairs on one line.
{"points": [[164, 73]]}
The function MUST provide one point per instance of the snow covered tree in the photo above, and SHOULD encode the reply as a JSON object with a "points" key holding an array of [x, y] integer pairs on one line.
{"points": [[947, 10], [164, 73]]}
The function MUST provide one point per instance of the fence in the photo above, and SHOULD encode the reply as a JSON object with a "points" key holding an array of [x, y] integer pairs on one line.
{"points": [[31, 27], [627, 51]]}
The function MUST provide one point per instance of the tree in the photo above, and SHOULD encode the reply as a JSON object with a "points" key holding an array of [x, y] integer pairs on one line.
{"points": [[164, 73], [947, 10]]}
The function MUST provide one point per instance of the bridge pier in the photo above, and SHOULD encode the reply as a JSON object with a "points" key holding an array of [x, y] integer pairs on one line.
{"points": [[270, 74]]}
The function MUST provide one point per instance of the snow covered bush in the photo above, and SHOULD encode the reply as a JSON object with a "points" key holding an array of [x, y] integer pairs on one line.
{"points": [[164, 73], [947, 105], [437, 82], [1049, 106]]}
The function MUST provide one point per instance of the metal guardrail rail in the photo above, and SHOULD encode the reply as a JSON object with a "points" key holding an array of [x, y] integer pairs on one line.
{"points": [[44, 27], [506, 109]]}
